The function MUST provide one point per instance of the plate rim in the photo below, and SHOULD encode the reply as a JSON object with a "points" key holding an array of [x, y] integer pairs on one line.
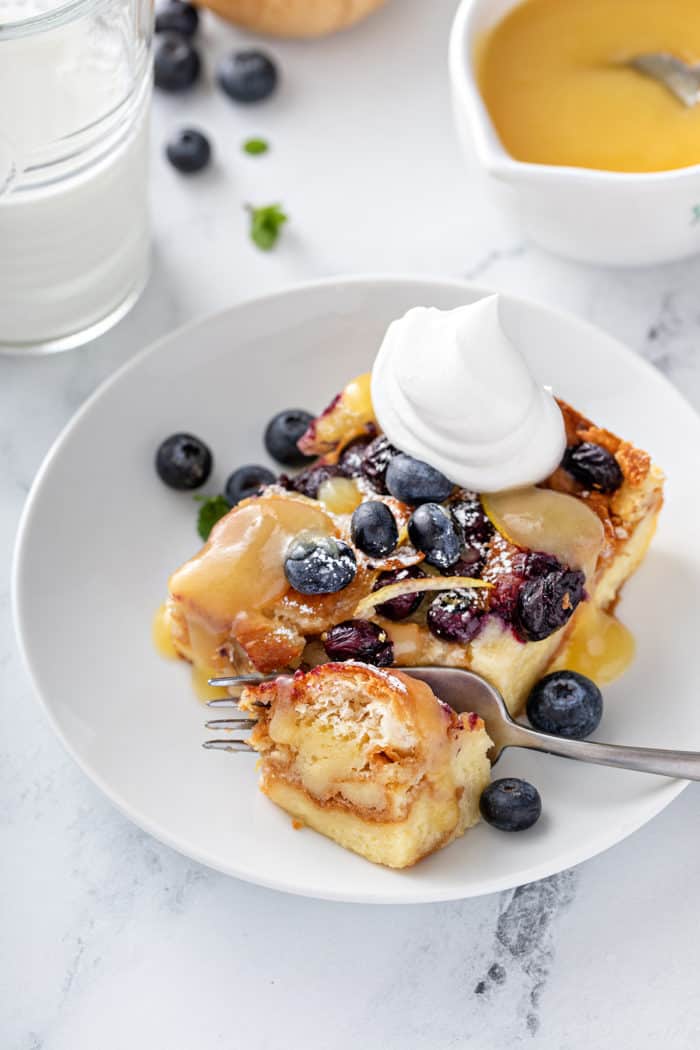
{"points": [[651, 808]]}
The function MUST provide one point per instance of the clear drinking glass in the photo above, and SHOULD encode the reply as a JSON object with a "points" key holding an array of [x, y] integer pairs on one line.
{"points": [[75, 86]]}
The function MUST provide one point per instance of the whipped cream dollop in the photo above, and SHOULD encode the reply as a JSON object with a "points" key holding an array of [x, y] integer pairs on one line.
{"points": [[450, 388]]}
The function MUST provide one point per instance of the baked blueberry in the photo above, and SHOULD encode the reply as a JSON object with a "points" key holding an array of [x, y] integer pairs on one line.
{"points": [[406, 604], [176, 64], [183, 461], [176, 16], [547, 602], [247, 76], [471, 562], [309, 481], [414, 482], [567, 704], [359, 640], [247, 481], [188, 151], [471, 520], [317, 564], [352, 456], [593, 466], [282, 433], [375, 462], [431, 530], [510, 804], [454, 616], [374, 530]]}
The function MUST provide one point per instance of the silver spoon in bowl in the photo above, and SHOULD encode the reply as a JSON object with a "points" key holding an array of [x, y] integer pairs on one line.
{"points": [[682, 80]]}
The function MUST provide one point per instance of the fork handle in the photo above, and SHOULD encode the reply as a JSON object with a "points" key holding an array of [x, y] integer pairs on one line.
{"points": [[682, 764]]}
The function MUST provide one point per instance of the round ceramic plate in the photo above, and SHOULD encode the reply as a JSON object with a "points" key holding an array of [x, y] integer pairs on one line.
{"points": [[100, 535]]}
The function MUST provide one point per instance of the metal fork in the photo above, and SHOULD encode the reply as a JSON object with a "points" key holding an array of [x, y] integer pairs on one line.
{"points": [[465, 691]]}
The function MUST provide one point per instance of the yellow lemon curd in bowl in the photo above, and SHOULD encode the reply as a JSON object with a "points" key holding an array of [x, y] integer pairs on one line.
{"points": [[553, 79]]}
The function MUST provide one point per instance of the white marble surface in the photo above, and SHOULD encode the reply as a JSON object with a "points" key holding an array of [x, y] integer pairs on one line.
{"points": [[112, 940]]}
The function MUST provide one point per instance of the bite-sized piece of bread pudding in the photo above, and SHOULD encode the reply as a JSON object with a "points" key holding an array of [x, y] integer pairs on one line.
{"points": [[370, 758]]}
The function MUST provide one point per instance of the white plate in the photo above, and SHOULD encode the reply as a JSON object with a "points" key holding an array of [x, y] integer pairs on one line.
{"points": [[100, 535]]}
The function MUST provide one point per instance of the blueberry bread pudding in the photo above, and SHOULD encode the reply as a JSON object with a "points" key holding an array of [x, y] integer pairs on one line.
{"points": [[369, 554], [369, 757]]}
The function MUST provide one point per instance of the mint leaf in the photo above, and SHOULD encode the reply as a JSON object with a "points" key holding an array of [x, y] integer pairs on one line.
{"points": [[265, 225], [256, 146], [213, 508]]}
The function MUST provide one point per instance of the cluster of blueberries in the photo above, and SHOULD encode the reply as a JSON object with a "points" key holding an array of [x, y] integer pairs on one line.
{"points": [[453, 535], [245, 76]]}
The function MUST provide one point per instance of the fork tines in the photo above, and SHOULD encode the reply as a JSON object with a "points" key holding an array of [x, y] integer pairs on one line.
{"points": [[228, 745]]}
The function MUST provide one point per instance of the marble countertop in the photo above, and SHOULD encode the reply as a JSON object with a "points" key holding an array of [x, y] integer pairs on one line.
{"points": [[112, 940]]}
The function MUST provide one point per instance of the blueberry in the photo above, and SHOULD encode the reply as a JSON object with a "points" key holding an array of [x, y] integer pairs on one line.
{"points": [[454, 616], [565, 703], [593, 466], [359, 640], [406, 604], [247, 76], [309, 481], [412, 481], [377, 457], [374, 529], [318, 564], [282, 433], [432, 531], [177, 17], [176, 64], [471, 562], [510, 804], [183, 461], [188, 151], [469, 516], [352, 456], [547, 602], [247, 481]]}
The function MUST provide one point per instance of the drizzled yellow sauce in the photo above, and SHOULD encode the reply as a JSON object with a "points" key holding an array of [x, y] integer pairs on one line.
{"points": [[599, 646], [553, 78], [162, 638]]}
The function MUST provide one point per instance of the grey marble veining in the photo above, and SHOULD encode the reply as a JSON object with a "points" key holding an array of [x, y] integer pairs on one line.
{"points": [[110, 939]]}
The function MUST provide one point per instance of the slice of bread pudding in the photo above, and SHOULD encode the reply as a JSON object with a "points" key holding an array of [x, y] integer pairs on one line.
{"points": [[529, 564], [369, 757]]}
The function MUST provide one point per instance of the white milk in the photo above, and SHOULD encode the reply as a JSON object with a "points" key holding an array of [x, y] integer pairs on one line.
{"points": [[74, 233]]}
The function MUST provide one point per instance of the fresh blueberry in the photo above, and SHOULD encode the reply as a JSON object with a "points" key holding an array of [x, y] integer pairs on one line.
{"points": [[247, 481], [359, 640], [318, 564], [593, 466], [412, 481], [352, 456], [376, 460], [454, 616], [432, 531], [183, 462], [511, 804], [374, 529], [176, 63], [247, 76], [309, 481], [406, 604], [468, 514], [177, 17], [188, 151], [282, 433], [547, 602], [565, 703]]}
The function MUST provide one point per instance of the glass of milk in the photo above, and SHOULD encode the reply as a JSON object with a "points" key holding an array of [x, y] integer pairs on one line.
{"points": [[75, 85]]}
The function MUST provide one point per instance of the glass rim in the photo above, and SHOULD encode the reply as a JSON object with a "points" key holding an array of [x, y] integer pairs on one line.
{"points": [[64, 12]]}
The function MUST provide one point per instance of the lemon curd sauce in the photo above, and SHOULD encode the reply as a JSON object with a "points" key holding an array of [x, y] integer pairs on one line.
{"points": [[553, 76]]}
